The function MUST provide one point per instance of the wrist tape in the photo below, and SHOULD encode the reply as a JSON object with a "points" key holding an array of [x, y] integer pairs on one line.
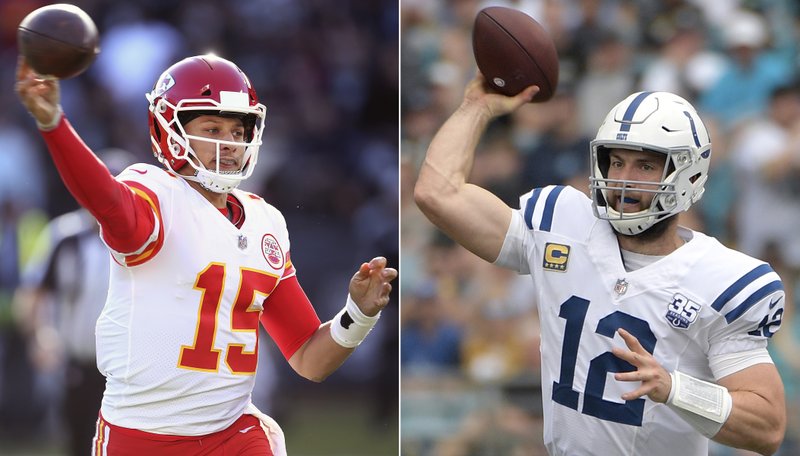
{"points": [[53, 123], [350, 326], [704, 405]]}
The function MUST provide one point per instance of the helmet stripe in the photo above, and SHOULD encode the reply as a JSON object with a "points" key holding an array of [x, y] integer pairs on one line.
{"points": [[694, 129], [626, 119]]}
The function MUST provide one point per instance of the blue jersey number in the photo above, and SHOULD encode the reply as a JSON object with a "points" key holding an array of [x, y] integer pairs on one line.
{"points": [[574, 311]]}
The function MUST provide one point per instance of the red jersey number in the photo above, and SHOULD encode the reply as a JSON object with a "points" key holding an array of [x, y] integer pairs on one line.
{"points": [[202, 355]]}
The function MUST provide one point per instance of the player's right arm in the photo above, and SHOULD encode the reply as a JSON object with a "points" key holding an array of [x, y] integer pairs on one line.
{"points": [[471, 215], [128, 221]]}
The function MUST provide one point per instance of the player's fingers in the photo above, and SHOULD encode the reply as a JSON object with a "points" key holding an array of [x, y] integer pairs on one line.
{"points": [[22, 68], [528, 94], [389, 274], [363, 272], [636, 394], [377, 262], [632, 376], [625, 355], [632, 342]]}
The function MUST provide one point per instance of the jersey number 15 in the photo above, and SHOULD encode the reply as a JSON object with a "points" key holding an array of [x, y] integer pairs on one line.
{"points": [[202, 355]]}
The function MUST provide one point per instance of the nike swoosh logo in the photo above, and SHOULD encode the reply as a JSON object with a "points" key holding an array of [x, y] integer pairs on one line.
{"points": [[138, 171], [244, 431], [772, 304]]}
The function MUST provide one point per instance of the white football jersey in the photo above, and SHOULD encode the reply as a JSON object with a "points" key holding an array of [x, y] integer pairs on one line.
{"points": [[186, 306], [702, 300]]}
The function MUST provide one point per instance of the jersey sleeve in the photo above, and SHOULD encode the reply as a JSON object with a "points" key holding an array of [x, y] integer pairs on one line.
{"points": [[556, 209], [289, 317], [749, 310], [118, 210]]}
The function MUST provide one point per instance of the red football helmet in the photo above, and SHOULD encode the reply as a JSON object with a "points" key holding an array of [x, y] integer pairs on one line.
{"points": [[205, 84]]}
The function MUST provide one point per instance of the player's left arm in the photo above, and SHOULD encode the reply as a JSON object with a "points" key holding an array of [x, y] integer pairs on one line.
{"points": [[757, 418], [333, 342]]}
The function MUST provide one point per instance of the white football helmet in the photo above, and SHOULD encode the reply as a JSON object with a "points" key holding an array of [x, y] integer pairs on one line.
{"points": [[658, 122]]}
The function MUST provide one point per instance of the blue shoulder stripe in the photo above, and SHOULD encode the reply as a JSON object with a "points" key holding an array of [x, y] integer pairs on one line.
{"points": [[529, 205], [764, 291], [739, 285], [549, 208]]}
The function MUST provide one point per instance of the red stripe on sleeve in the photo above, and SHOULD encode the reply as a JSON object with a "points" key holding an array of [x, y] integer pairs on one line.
{"points": [[126, 219], [289, 317]]}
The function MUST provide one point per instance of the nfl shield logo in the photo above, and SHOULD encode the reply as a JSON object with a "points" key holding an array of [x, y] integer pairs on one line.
{"points": [[621, 287], [242, 242]]}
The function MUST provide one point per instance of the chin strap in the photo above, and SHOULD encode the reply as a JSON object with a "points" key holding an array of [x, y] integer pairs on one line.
{"points": [[213, 183]]}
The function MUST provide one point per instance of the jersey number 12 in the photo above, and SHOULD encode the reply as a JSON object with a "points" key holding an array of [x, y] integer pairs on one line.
{"points": [[574, 311]]}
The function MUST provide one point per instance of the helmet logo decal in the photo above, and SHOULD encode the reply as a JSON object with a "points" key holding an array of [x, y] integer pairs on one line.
{"points": [[165, 84], [622, 136], [682, 312], [272, 251]]}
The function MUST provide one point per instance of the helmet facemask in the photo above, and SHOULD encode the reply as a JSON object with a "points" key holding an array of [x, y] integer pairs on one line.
{"points": [[669, 193], [233, 104]]}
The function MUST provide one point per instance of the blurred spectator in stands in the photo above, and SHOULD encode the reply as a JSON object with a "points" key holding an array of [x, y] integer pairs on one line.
{"points": [[609, 77], [683, 64], [754, 69], [766, 155], [429, 341], [559, 156]]}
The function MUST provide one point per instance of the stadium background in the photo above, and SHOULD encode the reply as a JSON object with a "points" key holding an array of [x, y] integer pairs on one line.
{"points": [[470, 369], [327, 72]]}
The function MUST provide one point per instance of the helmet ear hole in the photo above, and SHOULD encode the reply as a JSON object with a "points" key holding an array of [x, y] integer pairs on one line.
{"points": [[157, 131]]}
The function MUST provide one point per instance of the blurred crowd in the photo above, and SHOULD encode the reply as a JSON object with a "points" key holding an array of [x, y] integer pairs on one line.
{"points": [[469, 338], [327, 72]]}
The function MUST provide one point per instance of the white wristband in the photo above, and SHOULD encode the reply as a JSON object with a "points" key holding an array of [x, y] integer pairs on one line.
{"points": [[704, 405], [53, 123], [350, 326]]}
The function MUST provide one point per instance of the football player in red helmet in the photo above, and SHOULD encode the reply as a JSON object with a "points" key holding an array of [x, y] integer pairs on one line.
{"points": [[197, 264]]}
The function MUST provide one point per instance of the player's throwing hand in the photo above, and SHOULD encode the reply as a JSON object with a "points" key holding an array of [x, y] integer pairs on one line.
{"points": [[40, 95]]}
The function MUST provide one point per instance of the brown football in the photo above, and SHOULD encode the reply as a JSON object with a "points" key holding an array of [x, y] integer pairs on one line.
{"points": [[513, 51], [58, 40]]}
